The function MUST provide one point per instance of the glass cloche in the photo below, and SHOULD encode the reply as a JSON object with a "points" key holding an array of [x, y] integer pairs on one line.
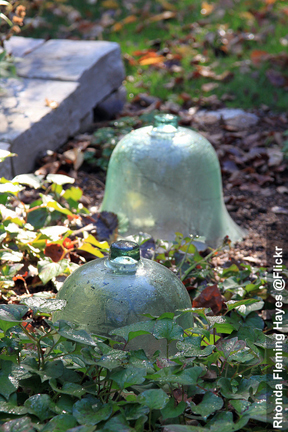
{"points": [[164, 179]]}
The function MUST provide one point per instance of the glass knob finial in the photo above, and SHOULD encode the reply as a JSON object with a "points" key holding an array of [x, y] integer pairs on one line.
{"points": [[124, 248]]}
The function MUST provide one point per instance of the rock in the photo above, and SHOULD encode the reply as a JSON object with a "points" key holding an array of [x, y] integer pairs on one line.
{"points": [[61, 83], [111, 105], [19, 46], [6, 166], [236, 118]]}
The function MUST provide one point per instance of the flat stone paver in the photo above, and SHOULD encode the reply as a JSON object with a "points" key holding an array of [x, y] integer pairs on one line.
{"points": [[59, 84]]}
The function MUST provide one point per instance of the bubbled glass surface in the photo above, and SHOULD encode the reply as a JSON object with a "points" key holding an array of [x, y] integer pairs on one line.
{"points": [[164, 178], [106, 294]]}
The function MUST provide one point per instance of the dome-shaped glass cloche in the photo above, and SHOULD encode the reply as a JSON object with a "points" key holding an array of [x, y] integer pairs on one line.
{"points": [[164, 179]]}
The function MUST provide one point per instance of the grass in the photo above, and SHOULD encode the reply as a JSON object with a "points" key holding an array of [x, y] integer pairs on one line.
{"points": [[226, 38]]}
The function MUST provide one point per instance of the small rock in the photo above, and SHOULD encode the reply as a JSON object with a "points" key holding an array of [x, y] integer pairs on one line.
{"points": [[279, 210], [235, 118], [275, 156], [282, 189]]}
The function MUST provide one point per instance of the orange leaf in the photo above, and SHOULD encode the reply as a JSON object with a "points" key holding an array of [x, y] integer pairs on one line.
{"points": [[257, 56], [151, 60], [110, 4], [129, 19], [51, 103], [68, 243], [207, 8], [163, 16], [55, 251], [117, 27], [209, 297]]}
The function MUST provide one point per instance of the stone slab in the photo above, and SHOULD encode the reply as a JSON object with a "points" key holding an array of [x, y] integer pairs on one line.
{"points": [[70, 60], [19, 46], [73, 76], [6, 165], [111, 105], [236, 118]]}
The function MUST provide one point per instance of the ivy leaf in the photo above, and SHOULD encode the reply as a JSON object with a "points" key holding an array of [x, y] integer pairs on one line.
{"points": [[28, 179], [172, 411], [116, 424], [154, 398], [209, 405], [68, 331], [128, 377], [133, 330], [39, 305], [113, 360], [232, 304], [134, 411], [39, 405], [23, 424], [10, 315], [191, 347], [230, 346], [60, 423], [167, 329], [91, 411], [47, 269], [10, 408], [59, 179], [223, 421]]}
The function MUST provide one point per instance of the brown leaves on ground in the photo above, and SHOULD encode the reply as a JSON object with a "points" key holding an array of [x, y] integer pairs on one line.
{"points": [[210, 297]]}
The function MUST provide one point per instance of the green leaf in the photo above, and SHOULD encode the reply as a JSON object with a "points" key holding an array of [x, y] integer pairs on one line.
{"points": [[69, 332], [12, 312], [128, 377], [154, 398], [191, 347], [113, 360], [39, 405], [116, 424], [53, 369], [8, 384], [133, 411], [54, 232], [223, 421], [82, 429], [240, 405], [167, 329], [230, 346], [230, 271], [68, 388], [8, 255], [91, 411], [23, 424], [232, 304], [59, 179], [10, 315], [131, 331], [60, 423], [171, 410], [48, 269], [28, 179], [209, 405], [40, 305]]}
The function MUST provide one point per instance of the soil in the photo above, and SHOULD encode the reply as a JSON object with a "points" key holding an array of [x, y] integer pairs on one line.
{"points": [[255, 186]]}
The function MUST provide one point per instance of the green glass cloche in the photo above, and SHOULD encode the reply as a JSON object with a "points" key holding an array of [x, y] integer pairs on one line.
{"points": [[164, 179], [115, 291]]}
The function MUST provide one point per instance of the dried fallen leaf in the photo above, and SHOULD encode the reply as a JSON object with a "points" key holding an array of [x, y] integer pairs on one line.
{"points": [[257, 56], [279, 210], [55, 251], [209, 86], [209, 297], [110, 4], [276, 78], [163, 16], [207, 8], [151, 60], [51, 103]]}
